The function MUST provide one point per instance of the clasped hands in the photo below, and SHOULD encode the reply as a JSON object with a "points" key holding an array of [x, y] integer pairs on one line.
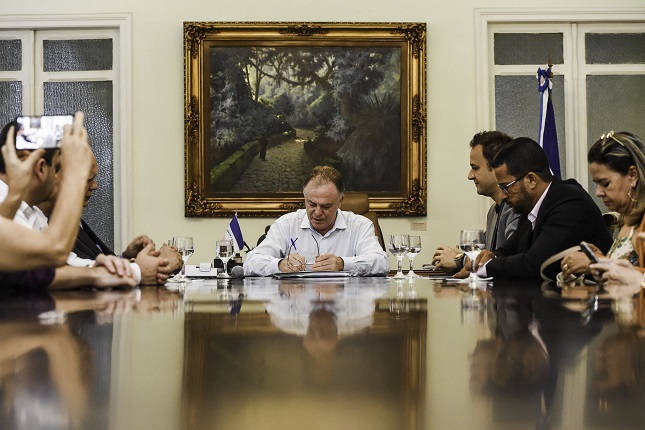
{"points": [[324, 262], [156, 265], [444, 258]]}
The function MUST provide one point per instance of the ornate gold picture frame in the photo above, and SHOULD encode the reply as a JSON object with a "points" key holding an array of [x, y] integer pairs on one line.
{"points": [[265, 102]]}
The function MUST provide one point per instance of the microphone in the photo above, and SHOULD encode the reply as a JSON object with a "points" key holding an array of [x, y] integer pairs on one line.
{"points": [[237, 272]]}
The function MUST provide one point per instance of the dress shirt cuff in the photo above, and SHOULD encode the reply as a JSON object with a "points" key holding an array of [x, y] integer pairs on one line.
{"points": [[136, 272], [76, 261], [350, 264], [482, 272]]}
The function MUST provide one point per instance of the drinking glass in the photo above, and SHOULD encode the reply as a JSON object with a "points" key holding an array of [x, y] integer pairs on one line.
{"points": [[398, 248], [472, 242], [224, 251], [185, 247], [414, 248]]}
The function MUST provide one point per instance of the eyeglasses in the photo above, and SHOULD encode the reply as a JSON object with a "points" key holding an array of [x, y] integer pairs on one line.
{"points": [[505, 187], [317, 246], [293, 245], [610, 135]]}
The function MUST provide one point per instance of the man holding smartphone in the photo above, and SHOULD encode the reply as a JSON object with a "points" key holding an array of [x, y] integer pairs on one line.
{"points": [[30, 183], [41, 187]]}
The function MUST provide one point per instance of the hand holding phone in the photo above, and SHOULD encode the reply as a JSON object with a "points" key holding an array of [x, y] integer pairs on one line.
{"points": [[584, 247]]}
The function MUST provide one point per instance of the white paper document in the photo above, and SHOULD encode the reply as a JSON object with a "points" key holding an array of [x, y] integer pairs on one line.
{"points": [[310, 274]]}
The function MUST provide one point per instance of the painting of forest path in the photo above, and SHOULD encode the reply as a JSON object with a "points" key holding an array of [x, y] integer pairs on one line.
{"points": [[347, 99], [286, 167], [264, 102]]}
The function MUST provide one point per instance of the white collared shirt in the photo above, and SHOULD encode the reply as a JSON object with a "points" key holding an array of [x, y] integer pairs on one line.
{"points": [[29, 216], [351, 238], [532, 216]]}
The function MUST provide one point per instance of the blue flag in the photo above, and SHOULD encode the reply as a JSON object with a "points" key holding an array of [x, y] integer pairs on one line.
{"points": [[234, 233], [548, 138]]}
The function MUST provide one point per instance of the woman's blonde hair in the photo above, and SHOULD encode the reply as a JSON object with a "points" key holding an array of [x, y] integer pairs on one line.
{"points": [[619, 152]]}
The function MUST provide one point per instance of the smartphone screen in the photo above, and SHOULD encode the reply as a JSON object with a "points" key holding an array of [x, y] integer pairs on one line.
{"points": [[41, 131]]}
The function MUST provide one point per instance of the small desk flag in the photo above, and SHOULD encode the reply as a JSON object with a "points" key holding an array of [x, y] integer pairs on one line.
{"points": [[234, 233], [548, 136]]}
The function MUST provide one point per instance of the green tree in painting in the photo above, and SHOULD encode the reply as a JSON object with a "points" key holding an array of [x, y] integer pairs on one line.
{"points": [[350, 97]]}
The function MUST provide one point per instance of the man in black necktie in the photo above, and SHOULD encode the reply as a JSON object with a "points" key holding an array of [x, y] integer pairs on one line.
{"points": [[556, 214], [501, 221], [89, 245]]}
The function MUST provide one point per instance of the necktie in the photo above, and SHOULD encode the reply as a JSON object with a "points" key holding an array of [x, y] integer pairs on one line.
{"points": [[498, 210]]}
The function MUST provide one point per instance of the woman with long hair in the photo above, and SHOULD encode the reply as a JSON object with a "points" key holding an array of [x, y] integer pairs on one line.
{"points": [[617, 167]]}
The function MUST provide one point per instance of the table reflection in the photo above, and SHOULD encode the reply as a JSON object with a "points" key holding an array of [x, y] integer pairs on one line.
{"points": [[44, 374], [56, 355], [618, 367], [315, 353], [546, 366], [334, 353]]}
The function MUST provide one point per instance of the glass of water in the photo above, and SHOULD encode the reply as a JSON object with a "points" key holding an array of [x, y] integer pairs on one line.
{"points": [[398, 247], [184, 245], [472, 242], [224, 251], [414, 248]]}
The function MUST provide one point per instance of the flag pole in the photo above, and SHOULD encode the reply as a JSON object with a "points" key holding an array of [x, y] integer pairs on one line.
{"points": [[548, 138]]}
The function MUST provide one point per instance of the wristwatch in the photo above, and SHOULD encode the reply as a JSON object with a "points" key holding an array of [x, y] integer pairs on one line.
{"points": [[459, 260]]}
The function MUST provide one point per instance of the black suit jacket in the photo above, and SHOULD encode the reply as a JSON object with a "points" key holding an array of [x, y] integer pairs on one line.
{"points": [[86, 242], [566, 217]]}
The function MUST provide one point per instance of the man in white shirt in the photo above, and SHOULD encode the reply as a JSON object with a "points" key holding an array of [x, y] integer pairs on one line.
{"points": [[320, 237], [34, 178], [43, 186]]}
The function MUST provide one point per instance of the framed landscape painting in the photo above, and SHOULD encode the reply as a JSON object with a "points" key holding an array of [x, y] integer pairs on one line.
{"points": [[266, 102]]}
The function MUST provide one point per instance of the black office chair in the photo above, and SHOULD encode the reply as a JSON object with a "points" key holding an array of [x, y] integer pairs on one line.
{"points": [[261, 238]]}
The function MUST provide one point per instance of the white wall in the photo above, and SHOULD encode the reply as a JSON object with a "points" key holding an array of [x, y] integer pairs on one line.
{"points": [[157, 97]]}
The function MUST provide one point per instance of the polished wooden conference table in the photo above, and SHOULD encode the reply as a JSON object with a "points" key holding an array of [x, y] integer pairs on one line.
{"points": [[324, 353]]}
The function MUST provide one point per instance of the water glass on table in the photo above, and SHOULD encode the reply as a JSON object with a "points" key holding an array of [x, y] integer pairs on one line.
{"points": [[184, 245], [224, 251], [472, 242], [398, 246], [414, 248]]}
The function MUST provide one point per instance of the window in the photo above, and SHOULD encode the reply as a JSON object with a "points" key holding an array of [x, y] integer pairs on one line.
{"points": [[59, 67], [599, 76]]}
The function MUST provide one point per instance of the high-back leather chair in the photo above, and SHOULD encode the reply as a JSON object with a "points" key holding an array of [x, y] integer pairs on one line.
{"points": [[359, 203]]}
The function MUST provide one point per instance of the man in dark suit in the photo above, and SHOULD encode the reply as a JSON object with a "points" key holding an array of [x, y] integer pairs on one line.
{"points": [[556, 214], [88, 244]]}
